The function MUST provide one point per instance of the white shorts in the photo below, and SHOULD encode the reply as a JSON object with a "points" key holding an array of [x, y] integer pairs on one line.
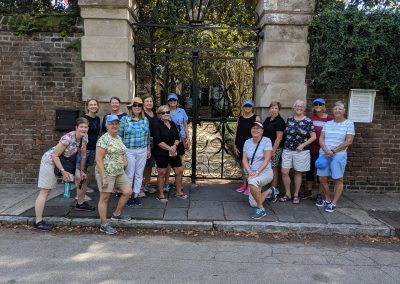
{"points": [[47, 179], [262, 179], [299, 161]]}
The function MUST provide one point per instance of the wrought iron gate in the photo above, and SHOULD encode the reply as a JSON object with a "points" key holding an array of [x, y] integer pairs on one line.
{"points": [[172, 56]]}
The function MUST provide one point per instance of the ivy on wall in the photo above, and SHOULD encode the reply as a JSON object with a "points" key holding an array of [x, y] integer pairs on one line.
{"points": [[353, 48]]}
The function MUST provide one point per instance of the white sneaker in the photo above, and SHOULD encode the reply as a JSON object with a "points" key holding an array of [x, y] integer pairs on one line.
{"points": [[150, 189], [141, 194]]}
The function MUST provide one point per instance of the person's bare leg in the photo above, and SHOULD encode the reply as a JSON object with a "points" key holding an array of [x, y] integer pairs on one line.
{"points": [[178, 180], [274, 181], [40, 203], [147, 175], [160, 181], [103, 205], [256, 193], [338, 190], [325, 188], [286, 181], [126, 194], [298, 176], [167, 174]]}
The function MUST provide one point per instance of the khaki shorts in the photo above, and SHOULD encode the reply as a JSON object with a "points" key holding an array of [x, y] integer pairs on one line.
{"points": [[113, 182], [264, 178], [47, 179], [299, 161]]}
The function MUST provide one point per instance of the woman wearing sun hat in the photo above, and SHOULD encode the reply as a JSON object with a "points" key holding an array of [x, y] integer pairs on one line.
{"points": [[243, 132], [319, 117], [135, 133]]}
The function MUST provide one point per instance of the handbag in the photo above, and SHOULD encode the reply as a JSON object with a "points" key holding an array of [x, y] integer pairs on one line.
{"points": [[68, 163]]}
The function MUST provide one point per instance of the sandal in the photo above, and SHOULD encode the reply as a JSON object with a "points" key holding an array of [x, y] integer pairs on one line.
{"points": [[285, 198], [296, 200], [162, 199], [181, 196]]}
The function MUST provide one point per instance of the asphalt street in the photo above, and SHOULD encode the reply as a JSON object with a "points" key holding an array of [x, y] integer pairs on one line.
{"points": [[32, 257]]}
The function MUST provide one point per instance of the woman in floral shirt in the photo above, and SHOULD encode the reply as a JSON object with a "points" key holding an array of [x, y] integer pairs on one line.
{"points": [[110, 157], [69, 146], [296, 154]]}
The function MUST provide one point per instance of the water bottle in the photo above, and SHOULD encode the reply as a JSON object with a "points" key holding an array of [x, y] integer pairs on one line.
{"points": [[67, 189]]}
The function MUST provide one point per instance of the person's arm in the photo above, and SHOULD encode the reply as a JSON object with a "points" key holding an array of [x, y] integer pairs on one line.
{"points": [[58, 151], [312, 138], [267, 159], [83, 162], [245, 163], [236, 150], [328, 152], [346, 143], [100, 154]]}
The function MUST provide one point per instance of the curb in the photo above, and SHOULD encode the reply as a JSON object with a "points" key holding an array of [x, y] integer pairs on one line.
{"points": [[223, 226]]}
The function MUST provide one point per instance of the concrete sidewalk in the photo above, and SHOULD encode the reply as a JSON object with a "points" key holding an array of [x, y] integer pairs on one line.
{"points": [[217, 207]]}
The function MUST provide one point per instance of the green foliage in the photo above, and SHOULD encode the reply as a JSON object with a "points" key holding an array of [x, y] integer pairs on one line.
{"points": [[52, 22], [323, 5], [356, 49]]}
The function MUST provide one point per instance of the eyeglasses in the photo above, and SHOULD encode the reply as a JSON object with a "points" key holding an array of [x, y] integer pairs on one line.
{"points": [[164, 112], [298, 106], [318, 104], [172, 100], [137, 105], [246, 105]]}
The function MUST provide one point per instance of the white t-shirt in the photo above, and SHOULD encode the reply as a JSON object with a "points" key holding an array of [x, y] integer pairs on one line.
{"points": [[250, 147], [335, 133]]}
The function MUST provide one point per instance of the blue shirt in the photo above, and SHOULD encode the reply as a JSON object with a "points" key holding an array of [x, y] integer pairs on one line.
{"points": [[134, 133], [179, 117]]}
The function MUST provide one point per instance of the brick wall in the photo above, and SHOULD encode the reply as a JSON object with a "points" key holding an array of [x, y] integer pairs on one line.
{"points": [[38, 74], [374, 157]]}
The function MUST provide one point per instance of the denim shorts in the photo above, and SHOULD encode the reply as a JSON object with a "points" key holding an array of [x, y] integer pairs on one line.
{"points": [[335, 168]]}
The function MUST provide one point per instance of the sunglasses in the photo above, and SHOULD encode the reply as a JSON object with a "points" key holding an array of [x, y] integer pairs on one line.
{"points": [[137, 105], [172, 100], [164, 112], [318, 104], [246, 105]]}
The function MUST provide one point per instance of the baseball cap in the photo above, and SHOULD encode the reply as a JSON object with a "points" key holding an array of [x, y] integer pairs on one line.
{"points": [[319, 100], [111, 118], [172, 96], [258, 123], [248, 102]]}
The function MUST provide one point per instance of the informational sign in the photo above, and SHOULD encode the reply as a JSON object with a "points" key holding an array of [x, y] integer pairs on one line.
{"points": [[361, 105]]}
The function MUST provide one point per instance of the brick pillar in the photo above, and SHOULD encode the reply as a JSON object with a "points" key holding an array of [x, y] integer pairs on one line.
{"points": [[107, 50], [283, 53]]}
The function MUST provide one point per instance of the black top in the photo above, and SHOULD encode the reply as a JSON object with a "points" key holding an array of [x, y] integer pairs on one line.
{"points": [[162, 133], [152, 122], [272, 126], [103, 124], [243, 131], [94, 131]]}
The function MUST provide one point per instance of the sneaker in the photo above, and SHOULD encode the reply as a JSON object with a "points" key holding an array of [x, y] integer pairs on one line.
{"points": [[141, 194], [132, 202], [274, 194], [246, 192], [322, 203], [108, 229], [87, 198], [167, 187], [42, 226], [84, 207], [150, 189], [318, 197], [241, 189], [260, 212], [330, 208], [120, 218], [305, 194]]}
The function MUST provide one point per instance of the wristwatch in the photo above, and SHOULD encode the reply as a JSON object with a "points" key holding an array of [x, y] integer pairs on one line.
{"points": [[62, 170]]}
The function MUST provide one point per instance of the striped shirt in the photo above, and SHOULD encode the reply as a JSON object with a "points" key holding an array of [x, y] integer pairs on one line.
{"points": [[335, 133], [134, 133]]}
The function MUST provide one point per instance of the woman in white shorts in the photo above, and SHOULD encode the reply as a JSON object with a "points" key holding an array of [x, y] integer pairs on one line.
{"points": [[70, 145], [296, 154], [257, 152]]}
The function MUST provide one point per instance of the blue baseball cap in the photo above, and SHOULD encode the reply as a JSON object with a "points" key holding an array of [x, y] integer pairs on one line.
{"points": [[319, 100], [248, 102], [322, 162], [111, 118], [172, 96]]}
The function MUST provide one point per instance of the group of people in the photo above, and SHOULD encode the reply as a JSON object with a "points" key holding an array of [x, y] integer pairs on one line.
{"points": [[126, 146], [303, 143]]}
